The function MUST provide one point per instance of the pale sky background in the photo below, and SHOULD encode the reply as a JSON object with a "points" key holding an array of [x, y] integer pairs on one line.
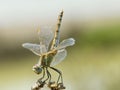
{"points": [[16, 15], [24, 11]]}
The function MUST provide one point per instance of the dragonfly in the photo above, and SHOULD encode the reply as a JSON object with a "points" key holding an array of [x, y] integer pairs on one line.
{"points": [[50, 50]]}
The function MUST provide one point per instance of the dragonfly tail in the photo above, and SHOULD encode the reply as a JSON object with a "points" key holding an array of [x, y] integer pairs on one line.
{"points": [[56, 38]]}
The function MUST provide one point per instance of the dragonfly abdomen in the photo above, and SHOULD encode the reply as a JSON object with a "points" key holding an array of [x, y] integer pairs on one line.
{"points": [[55, 41]]}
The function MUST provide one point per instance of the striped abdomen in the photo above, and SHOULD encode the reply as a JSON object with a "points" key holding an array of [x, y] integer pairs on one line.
{"points": [[56, 38]]}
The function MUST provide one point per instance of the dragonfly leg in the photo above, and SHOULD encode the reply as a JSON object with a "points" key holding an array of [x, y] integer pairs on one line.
{"points": [[59, 72], [40, 83], [48, 75]]}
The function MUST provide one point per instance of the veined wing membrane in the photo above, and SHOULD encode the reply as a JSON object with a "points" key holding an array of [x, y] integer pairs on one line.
{"points": [[45, 36], [65, 43], [35, 48], [59, 57]]}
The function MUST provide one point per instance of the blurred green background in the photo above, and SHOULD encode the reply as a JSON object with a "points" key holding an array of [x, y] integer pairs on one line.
{"points": [[93, 63]]}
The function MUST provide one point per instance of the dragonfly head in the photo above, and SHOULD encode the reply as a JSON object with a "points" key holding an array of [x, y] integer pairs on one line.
{"points": [[37, 69]]}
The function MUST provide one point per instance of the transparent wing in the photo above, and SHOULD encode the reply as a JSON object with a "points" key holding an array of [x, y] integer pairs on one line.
{"points": [[35, 48], [65, 43], [59, 57], [45, 36]]}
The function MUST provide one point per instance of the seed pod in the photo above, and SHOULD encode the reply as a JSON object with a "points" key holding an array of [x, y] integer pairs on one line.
{"points": [[35, 87], [51, 83], [61, 86]]}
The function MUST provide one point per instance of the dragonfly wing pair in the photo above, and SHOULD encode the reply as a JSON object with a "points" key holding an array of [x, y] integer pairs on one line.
{"points": [[59, 57], [46, 36], [35, 48], [62, 53]]}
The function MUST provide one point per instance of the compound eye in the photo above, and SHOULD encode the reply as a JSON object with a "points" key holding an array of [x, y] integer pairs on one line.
{"points": [[37, 69]]}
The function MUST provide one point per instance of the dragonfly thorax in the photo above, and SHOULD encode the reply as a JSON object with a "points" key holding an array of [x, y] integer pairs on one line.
{"points": [[47, 58]]}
